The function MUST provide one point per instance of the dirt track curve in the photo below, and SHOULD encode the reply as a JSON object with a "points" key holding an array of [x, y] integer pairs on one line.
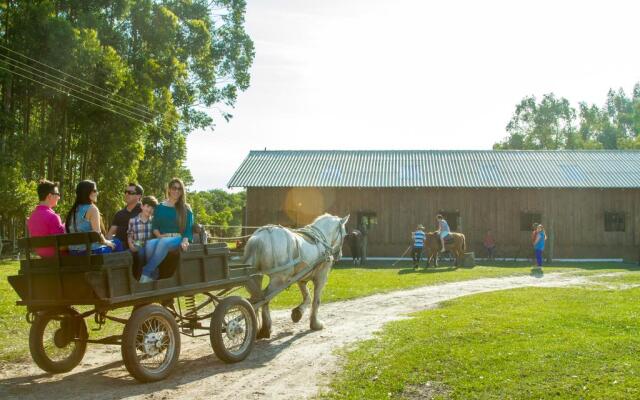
{"points": [[295, 363]]}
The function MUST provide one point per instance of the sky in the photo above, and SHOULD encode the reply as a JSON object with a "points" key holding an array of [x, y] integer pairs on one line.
{"points": [[377, 75]]}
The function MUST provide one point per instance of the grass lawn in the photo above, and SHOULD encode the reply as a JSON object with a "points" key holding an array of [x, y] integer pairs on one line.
{"points": [[524, 343], [345, 282]]}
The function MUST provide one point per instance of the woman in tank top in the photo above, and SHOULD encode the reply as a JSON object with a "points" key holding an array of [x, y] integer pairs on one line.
{"points": [[84, 216]]}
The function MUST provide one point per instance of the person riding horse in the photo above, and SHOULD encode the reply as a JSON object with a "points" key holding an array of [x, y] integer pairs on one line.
{"points": [[443, 230]]}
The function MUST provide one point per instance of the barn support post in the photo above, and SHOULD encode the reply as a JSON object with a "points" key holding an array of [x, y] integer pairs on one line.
{"points": [[550, 238]]}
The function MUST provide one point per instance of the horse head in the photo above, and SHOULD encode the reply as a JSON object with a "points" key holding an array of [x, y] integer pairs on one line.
{"points": [[334, 230]]}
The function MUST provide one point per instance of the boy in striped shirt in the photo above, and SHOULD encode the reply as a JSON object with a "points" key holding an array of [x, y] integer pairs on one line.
{"points": [[139, 230], [418, 244]]}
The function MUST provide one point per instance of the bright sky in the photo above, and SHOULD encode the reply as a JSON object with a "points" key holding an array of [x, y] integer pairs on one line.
{"points": [[372, 74]]}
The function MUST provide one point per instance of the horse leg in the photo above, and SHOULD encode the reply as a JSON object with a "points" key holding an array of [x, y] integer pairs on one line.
{"points": [[275, 283], [298, 312], [318, 284], [265, 327]]}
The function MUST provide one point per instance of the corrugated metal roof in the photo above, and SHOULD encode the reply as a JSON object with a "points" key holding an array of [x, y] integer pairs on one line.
{"points": [[440, 168]]}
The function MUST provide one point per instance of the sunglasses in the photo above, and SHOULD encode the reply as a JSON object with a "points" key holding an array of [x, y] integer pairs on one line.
{"points": [[176, 188], [131, 192], [55, 194]]}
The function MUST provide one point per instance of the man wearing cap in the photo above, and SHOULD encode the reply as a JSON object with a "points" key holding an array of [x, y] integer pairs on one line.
{"points": [[418, 244], [132, 195]]}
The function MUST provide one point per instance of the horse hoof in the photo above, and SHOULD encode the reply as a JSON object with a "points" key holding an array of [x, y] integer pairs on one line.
{"points": [[318, 326], [263, 334], [296, 315]]}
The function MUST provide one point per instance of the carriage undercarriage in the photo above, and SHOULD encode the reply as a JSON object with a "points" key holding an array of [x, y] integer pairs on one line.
{"points": [[150, 340]]}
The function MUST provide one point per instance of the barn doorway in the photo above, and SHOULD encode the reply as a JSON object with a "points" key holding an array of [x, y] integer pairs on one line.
{"points": [[367, 220]]}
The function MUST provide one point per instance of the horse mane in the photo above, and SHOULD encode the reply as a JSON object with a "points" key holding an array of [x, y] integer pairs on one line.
{"points": [[318, 218]]}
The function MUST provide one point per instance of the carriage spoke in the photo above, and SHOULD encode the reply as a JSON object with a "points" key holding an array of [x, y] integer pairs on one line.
{"points": [[55, 345], [154, 342]]}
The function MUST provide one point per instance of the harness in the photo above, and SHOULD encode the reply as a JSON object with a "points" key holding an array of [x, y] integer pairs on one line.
{"points": [[314, 235]]}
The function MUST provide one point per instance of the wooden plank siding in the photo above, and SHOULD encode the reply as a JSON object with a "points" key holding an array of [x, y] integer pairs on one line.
{"points": [[575, 217]]}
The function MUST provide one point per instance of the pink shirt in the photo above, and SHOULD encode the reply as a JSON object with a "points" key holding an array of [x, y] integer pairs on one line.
{"points": [[44, 222]]}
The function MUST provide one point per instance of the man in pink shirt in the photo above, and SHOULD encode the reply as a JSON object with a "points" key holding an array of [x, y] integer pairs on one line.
{"points": [[43, 221]]}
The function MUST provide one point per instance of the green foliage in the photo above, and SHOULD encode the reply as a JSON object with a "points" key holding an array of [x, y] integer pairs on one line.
{"points": [[553, 124], [531, 343], [217, 207], [154, 62]]}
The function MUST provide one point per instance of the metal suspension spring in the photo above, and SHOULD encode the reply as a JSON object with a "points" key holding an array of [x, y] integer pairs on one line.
{"points": [[190, 307]]}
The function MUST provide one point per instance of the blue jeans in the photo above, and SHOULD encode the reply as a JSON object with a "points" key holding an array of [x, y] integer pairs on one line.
{"points": [[539, 256], [103, 249], [140, 255], [156, 251]]}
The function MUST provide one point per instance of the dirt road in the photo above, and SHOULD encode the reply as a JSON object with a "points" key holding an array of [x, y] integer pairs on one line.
{"points": [[296, 363]]}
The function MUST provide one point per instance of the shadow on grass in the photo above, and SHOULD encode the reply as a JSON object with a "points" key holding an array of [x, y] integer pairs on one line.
{"points": [[446, 266], [429, 270]]}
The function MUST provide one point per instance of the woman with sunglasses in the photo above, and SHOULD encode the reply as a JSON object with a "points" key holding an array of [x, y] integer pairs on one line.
{"points": [[172, 226], [84, 216]]}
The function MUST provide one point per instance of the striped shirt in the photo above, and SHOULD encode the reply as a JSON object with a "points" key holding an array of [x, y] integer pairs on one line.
{"points": [[139, 231], [418, 239]]}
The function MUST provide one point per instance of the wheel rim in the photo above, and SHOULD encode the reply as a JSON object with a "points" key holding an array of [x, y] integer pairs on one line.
{"points": [[236, 335], [155, 344], [57, 338]]}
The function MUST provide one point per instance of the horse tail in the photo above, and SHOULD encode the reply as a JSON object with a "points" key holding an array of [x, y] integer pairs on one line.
{"points": [[252, 251]]}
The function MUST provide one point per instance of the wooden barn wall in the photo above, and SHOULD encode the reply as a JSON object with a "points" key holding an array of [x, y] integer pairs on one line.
{"points": [[573, 217]]}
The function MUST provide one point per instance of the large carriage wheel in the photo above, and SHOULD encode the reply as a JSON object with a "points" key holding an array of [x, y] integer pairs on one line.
{"points": [[233, 329], [57, 340], [150, 343]]}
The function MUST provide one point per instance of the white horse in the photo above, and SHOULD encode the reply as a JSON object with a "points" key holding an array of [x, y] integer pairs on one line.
{"points": [[300, 256]]}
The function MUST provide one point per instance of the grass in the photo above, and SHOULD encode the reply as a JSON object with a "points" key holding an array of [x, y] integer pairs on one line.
{"points": [[345, 282], [522, 343]]}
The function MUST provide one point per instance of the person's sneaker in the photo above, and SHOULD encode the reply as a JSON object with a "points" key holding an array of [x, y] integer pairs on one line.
{"points": [[145, 279]]}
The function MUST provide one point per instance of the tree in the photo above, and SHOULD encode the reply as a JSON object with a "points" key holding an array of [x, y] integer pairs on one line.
{"points": [[551, 124], [545, 125], [110, 90]]}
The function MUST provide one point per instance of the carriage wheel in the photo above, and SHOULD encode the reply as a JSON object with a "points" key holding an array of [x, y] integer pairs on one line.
{"points": [[57, 340], [233, 329], [150, 343]]}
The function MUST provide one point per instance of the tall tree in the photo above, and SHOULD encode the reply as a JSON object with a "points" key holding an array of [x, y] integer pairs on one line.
{"points": [[110, 90], [548, 124]]}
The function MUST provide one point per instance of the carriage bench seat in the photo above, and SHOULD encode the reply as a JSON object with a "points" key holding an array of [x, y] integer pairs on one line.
{"points": [[107, 280], [60, 280]]}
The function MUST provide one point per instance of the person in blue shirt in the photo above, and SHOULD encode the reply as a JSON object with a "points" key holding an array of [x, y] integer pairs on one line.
{"points": [[443, 230], [418, 244], [84, 216], [172, 227], [538, 243]]}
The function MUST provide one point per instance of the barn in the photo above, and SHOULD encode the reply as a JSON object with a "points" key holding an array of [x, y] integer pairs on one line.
{"points": [[589, 201]]}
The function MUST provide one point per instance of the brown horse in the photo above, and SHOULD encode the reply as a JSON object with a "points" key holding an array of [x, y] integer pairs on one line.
{"points": [[455, 244]]}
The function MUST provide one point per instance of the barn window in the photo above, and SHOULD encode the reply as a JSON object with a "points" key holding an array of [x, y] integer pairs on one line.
{"points": [[613, 222], [527, 219], [367, 220], [452, 218]]}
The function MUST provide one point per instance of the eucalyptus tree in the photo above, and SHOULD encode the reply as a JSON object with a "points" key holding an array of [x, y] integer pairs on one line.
{"points": [[109, 89]]}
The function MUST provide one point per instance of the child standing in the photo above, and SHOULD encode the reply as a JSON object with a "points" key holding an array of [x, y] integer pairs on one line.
{"points": [[418, 244], [538, 243], [140, 231]]}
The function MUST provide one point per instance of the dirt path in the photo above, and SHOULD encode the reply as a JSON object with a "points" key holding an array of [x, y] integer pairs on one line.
{"points": [[294, 364]]}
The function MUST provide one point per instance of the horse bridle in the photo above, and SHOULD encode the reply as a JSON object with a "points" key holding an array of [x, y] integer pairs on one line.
{"points": [[331, 249], [338, 244]]}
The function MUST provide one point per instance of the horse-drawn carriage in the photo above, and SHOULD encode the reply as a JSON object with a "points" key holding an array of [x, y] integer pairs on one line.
{"points": [[50, 288], [194, 286]]}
